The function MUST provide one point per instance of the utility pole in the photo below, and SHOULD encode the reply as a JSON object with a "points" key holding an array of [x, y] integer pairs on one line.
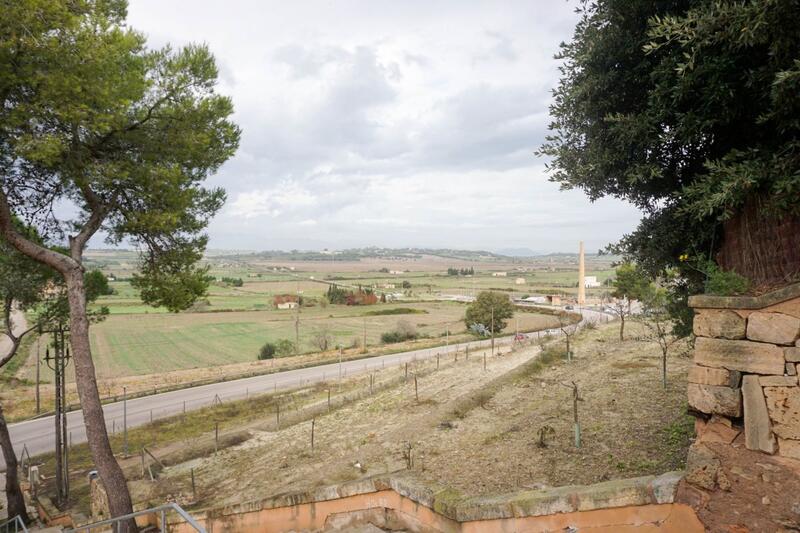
{"points": [[297, 328], [492, 331], [341, 349], [59, 362], [125, 419], [364, 347], [38, 363]]}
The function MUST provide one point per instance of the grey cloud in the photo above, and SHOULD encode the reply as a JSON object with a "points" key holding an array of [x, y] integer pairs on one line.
{"points": [[384, 123], [503, 48]]}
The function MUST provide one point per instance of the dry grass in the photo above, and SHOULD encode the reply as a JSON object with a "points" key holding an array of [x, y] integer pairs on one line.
{"points": [[475, 431]]}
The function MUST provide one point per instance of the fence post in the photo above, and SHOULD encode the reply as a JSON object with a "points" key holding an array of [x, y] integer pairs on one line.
{"points": [[216, 437], [313, 423], [125, 420]]}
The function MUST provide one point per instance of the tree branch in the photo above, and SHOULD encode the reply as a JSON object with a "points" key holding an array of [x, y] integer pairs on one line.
{"points": [[55, 260]]}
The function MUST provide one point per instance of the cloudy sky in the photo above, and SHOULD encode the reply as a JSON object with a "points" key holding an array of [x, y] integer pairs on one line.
{"points": [[388, 123]]}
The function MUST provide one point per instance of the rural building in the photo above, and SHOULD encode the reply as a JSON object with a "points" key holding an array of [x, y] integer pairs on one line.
{"points": [[499, 274], [396, 272], [590, 282], [286, 301], [554, 299], [520, 281]]}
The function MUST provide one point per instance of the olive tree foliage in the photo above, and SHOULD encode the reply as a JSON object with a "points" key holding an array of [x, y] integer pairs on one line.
{"points": [[685, 108], [125, 135]]}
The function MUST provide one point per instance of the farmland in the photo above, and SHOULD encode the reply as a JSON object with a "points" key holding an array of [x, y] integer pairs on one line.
{"points": [[230, 324]]}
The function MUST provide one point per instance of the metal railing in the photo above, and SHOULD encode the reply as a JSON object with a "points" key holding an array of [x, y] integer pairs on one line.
{"points": [[161, 509], [16, 523]]}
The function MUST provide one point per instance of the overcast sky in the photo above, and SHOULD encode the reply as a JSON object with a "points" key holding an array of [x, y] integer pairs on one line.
{"points": [[388, 123]]}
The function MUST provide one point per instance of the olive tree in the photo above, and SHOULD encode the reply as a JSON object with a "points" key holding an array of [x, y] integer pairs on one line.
{"points": [[125, 135]]}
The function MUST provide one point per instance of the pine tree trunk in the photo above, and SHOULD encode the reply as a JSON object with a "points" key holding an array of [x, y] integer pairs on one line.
{"points": [[119, 500], [622, 327], [16, 502]]}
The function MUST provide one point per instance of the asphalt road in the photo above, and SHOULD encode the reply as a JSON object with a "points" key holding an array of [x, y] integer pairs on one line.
{"points": [[38, 435]]}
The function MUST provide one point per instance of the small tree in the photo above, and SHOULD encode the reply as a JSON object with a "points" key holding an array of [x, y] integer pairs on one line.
{"points": [[568, 329], [621, 309], [631, 283], [657, 320], [322, 338], [491, 309]]}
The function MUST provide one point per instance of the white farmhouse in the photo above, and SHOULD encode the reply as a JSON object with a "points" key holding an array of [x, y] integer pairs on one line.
{"points": [[590, 282]]}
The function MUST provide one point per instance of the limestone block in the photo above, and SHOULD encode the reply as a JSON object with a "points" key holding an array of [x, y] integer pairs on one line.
{"points": [[712, 399], [722, 323], [757, 432], [791, 369], [792, 354], [746, 356], [789, 448], [704, 375], [777, 381], [702, 467], [783, 404], [776, 328], [718, 429]]}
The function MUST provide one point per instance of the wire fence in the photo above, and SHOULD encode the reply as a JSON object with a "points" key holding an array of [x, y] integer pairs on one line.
{"points": [[129, 413]]}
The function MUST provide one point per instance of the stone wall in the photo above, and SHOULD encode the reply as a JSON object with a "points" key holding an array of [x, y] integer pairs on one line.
{"points": [[747, 361]]}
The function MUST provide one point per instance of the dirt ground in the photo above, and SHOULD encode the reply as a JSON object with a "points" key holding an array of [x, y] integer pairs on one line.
{"points": [[763, 493], [473, 430]]}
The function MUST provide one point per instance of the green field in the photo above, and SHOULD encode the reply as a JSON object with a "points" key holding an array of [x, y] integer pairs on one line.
{"points": [[143, 344], [231, 323]]}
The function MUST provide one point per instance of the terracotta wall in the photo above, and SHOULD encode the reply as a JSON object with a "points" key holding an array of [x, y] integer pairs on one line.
{"points": [[638, 504], [398, 511]]}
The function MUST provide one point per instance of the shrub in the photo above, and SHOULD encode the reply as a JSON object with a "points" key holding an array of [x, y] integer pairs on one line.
{"points": [[284, 347], [725, 283], [267, 351], [404, 331]]}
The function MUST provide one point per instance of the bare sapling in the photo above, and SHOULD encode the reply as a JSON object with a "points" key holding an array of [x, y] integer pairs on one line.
{"points": [[575, 399]]}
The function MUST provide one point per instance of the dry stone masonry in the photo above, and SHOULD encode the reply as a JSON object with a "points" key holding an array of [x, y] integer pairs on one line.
{"points": [[747, 352]]}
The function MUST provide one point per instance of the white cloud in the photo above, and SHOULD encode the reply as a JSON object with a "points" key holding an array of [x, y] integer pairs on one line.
{"points": [[287, 197], [388, 123]]}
